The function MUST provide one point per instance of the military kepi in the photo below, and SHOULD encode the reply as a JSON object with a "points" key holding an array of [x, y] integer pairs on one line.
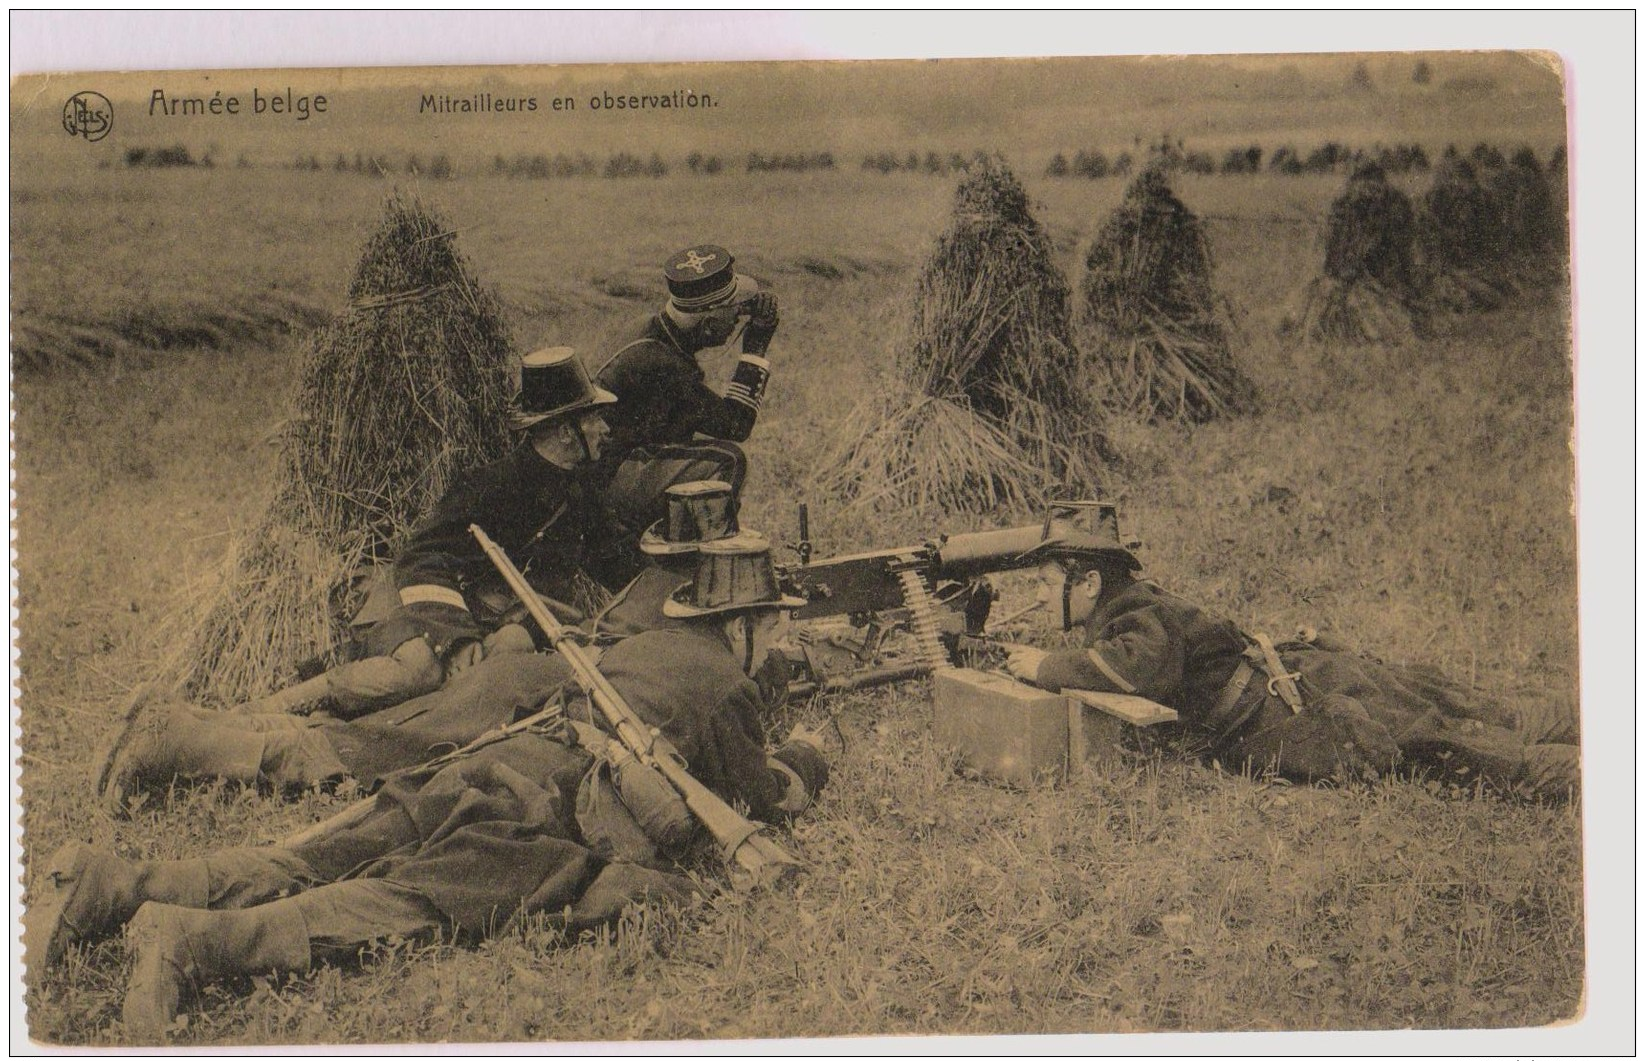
{"points": [[553, 382], [700, 278], [699, 511], [733, 575], [1081, 528]]}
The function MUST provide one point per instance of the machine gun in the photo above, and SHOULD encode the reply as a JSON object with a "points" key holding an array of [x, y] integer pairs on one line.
{"points": [[937, 590]]}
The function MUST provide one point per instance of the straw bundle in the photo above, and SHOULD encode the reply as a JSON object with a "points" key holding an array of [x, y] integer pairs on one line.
{"points": [[982, 407], [1161, 343], [407, 386], [1559, 190], [1367, 294], [1528, 221], [1462, 240]]}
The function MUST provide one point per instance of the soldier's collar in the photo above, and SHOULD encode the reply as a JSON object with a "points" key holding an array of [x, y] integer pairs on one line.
{"points": [[671, 332]]}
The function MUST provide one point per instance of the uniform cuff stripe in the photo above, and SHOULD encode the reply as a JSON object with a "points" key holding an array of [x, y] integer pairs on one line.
{"points": [[1109, 672], [428, 594]]}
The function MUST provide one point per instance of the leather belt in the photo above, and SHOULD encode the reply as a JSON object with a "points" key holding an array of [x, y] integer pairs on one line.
{"points": [[1222, 719]]}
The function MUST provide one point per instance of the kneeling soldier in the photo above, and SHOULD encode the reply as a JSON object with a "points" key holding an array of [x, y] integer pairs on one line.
{"points": [[446, 618], [1304, 709], [451, 609], [171, 742], [510, 831]]}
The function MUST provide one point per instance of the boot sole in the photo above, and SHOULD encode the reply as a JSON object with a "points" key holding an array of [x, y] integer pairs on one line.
{"points": [[111, 751], [144, 1017], [45, 917]]}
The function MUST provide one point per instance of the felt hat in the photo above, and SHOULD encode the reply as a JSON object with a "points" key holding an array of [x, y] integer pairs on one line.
{"points": [[1077, 530], [553, 382], [701, 278], [733, 575], [698, 512]]}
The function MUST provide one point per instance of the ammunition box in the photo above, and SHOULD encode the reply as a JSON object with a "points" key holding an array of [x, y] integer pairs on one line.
{"points": [[1005, 730]]}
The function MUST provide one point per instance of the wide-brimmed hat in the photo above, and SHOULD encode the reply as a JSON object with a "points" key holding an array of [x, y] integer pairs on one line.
{"points": [[553, 382], [701, 279], [1076, 530], [699, 511], [733, 575]]}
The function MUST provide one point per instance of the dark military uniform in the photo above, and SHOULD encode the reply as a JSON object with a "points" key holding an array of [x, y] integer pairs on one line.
{"points": [[478, 842], [668, 427], [542, 516], [638, 606], [664, 399], [1357, 714]]}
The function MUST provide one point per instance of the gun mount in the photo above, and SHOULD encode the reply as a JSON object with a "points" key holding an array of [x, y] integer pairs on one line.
{"points": [[938, 588]]}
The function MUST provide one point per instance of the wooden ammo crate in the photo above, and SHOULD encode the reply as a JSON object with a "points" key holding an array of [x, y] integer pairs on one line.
{"points": [[1013, 732], [1004, 729]]}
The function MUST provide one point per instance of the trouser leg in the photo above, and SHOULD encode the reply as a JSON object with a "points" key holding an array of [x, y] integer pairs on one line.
{"points": [[1466, 748], [363, 686], [343, 918], [176, 742], [387, 828]]}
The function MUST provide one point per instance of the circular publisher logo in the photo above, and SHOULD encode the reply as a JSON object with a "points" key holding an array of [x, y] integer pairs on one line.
{"points": [[88, 114]]}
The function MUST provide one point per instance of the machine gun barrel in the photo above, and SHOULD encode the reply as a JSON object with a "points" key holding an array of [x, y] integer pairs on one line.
{"points": [[862, 583]]}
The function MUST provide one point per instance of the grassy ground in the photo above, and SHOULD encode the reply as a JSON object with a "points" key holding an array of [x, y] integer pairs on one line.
{"points": [[1416, 501]]}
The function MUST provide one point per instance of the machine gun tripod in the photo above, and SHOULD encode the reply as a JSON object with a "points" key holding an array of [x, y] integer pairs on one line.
{"points": [[937, 591]]}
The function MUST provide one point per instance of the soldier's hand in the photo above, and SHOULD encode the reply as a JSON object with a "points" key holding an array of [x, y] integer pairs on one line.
{"points": [[804, 735], [762, 311], [463, 657], [1024, 662], [762, 323], [510, 637]]}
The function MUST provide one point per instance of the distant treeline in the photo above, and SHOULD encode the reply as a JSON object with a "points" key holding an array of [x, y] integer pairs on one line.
{"points": [[1331, 157], [164, 157], [931, 162]]}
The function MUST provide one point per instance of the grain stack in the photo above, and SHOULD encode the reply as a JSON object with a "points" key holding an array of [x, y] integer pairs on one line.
{"points": [[1461, 240], [980, 406], [1367, 293], [1560, 191], [408, 385], [1160, 343], [1528, 221]]}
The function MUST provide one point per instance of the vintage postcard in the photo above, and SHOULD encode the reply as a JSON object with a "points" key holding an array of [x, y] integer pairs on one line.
{"points": [[593, 553]]}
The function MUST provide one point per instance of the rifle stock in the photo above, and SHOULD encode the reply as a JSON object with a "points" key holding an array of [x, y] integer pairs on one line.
{"points": [[740, 840]]}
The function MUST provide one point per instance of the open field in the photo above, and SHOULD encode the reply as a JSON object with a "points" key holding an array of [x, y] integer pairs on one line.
{"points": [[1416, 501]]}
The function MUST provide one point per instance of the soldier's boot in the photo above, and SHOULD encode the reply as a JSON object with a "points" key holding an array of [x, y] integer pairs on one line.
{"points": [[167, 742], [174, 951], [85, 894]]}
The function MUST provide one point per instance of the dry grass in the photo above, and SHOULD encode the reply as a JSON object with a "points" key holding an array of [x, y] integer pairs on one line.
{"points": [[1159, 341], [395, 395], [983, 406], [1414, 500]]}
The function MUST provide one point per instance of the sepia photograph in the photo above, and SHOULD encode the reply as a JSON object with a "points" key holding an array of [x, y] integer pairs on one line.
{"points": [[668, 552]]}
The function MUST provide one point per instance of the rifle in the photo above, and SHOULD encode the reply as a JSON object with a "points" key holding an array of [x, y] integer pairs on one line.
{"points": [[741, 841]]}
